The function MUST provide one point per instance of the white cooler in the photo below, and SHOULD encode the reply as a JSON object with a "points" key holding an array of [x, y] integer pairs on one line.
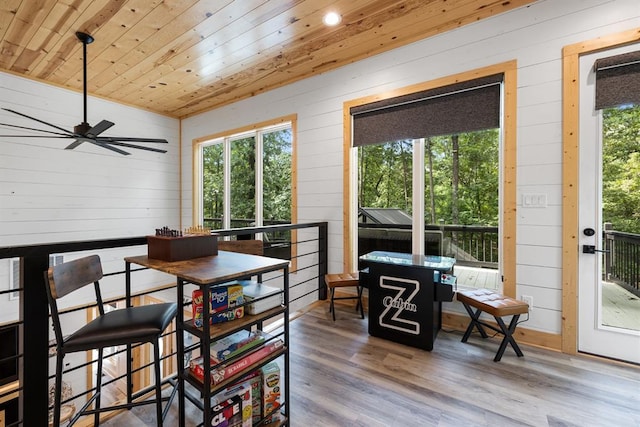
{"points": [[252, 290]]}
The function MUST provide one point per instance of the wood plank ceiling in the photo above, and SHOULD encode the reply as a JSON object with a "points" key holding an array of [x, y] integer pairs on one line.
{"points": [[183, 57]]}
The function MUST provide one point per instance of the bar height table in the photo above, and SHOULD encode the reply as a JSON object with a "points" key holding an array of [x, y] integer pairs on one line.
{"points": [[206, 272]]}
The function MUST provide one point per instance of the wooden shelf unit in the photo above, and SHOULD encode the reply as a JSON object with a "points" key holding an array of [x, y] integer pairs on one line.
{"points": [[207, 273]]}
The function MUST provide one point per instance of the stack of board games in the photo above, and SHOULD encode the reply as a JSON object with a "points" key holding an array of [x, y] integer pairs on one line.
{"points": [[220, 371], [265, 389], [254, 382], [223, 306], [268, 296]]}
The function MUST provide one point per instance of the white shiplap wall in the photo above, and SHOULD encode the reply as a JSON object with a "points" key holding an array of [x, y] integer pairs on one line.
{"points": [[533, 35], [48, 194]]}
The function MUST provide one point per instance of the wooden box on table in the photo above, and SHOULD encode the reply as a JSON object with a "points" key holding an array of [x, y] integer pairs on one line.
{"points": [[181, 248]]}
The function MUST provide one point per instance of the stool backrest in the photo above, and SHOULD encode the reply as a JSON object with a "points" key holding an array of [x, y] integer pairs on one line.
{"points": [[72, 275], [65, 278], [251, 247]]}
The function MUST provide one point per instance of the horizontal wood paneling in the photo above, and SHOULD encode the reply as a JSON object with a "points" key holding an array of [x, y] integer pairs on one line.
{"points": [[49, 194]]}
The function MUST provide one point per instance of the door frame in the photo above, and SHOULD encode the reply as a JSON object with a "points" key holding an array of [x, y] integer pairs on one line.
{"points": [[570, 174]]}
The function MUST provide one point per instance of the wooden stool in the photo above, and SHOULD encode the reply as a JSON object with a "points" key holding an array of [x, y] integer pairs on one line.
{"points": [[341, 280], [498, 306]]}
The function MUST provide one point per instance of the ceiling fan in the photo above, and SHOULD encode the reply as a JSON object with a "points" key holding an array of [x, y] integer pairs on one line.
{"points": [[84, 132]]}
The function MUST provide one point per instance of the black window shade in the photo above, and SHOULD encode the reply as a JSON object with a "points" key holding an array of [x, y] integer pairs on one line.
{"points": [[462, 107], [618, 80]]}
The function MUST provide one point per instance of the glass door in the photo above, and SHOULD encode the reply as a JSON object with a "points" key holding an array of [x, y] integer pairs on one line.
{"points": [[609, 261]]}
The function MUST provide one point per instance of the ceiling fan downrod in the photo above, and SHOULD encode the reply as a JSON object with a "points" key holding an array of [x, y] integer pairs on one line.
{"points": [[86, 39]]}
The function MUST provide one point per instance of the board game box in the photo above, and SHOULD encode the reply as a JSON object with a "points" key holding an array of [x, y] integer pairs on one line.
{"points": [[270, 390], [226, 304], [242, 390], [254, 382], [227, 370], [236, 343], [268, 296], [227, 413]]}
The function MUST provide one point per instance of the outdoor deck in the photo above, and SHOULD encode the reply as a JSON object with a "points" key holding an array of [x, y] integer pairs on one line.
{"points": [[621, 308]]}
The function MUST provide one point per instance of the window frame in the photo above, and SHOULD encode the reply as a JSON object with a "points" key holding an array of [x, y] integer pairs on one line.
{"points": [[507, 206], [226, 137]]}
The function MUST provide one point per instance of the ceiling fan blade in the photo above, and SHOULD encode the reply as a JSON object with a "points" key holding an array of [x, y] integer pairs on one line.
{"points": [[35, 136], [125, 139], [85, 132], [137, 147], [108, 147], [74, 144], [64, 135], [99, 128], [39, 121]]}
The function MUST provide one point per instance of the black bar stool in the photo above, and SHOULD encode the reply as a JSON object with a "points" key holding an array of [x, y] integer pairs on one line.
{"points": [[125, 326]]}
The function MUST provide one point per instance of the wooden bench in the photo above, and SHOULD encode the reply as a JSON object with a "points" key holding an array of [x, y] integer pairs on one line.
{"points": [[498, 306], [341, 280]]}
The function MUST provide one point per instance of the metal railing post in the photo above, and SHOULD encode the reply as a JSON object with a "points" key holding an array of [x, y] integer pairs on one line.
{"points": [[323, 246]]}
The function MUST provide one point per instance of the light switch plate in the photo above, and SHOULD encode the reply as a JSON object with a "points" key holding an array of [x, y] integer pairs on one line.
{"points": [[534, 200]]}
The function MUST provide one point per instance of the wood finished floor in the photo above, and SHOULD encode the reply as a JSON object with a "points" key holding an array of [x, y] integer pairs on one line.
{"points": [[340, 376]]}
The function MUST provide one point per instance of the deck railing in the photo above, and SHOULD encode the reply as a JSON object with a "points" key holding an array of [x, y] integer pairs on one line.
{"points": [[622, 259], [471, 245]]}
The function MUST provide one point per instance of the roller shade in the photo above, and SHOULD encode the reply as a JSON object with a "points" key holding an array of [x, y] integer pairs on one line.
{"points": [[462, 107], [618, 80]]}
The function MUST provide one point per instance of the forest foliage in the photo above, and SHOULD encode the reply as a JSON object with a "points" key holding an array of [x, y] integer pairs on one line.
{"points": [[461, 175], [276, 184], [621, 168]]}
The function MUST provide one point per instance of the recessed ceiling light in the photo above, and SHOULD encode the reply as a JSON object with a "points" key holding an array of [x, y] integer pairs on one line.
{"points": [[332, 19]]}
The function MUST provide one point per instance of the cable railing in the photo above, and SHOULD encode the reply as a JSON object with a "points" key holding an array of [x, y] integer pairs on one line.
{"points": [[622, 259], [305, 247], [472, 245]]}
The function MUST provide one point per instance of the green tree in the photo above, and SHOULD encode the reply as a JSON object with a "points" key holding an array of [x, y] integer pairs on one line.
{"points": [[277, 175], [385, 175], [213, 181], [276, 186], [621, 168], [243, 178], [476, 201], [462, 174]]}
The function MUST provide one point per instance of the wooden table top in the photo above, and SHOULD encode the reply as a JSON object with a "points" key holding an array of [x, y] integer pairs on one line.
{"points": [[223, 267]]}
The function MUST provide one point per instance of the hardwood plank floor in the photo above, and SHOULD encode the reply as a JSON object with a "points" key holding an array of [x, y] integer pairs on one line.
{"points": [[340, 376]]}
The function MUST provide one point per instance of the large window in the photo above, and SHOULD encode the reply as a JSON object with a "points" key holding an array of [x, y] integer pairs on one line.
{"points": [[245, 177], [454, 184]]}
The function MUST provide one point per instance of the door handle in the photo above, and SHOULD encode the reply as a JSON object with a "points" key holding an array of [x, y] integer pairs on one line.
{"points": [[591, 249]]}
